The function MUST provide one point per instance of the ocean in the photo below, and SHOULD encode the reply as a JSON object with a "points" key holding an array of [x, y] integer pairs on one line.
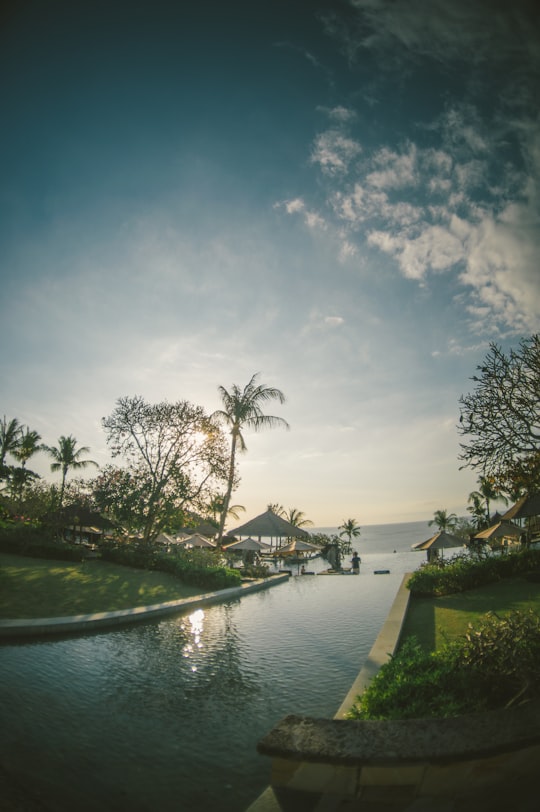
{"points": [[385, 538]]}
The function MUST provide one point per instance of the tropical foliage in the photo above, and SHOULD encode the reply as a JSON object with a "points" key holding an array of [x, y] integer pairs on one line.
{"points": [[500, 419], [174, 456], [242, 409], [67, 456], [444, 521], [494, 665], [462, 572]]}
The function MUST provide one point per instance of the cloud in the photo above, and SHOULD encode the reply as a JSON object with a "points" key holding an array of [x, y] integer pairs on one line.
{"points": [[479, 32], [334, 321], [396, 169], [334, 151], [340, 113], [312, 219], [453, 207]]}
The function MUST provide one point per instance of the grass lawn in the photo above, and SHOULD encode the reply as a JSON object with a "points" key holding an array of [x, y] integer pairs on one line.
{"points": [[435, 620], [31, 587]]}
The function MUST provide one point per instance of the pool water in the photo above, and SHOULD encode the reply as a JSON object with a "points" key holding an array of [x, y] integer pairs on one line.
{"points": [[166, 715]]}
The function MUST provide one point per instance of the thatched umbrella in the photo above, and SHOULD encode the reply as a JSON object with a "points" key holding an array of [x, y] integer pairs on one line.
{"points": [[249, 545], [440, 541], [524, 508], [269, 524], [500, 530], [528, 507], [298, 548], [197, 540], [246, 548]]}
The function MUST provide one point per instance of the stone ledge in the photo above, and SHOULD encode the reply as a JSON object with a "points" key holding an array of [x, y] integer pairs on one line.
{"points": [[38, 627], [390, 743]]}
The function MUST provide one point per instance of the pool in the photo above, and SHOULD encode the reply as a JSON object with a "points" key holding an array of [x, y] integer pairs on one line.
{"points": [[166, 715]]}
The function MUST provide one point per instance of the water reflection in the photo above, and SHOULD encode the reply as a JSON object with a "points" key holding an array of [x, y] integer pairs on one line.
{"points": [[166, 715], [195, 622]]}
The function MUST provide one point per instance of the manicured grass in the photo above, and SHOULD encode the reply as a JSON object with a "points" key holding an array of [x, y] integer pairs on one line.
{"points": [[31, 588], [433, 621]]}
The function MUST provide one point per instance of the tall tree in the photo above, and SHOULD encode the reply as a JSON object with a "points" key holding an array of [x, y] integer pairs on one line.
{"points": [[242, 409], [350, 528], [500, 420], [29, 444], [215, 507], [175, 456], [297, 517], [66, 455], [10, 438], [477, 509], [446, 522]]}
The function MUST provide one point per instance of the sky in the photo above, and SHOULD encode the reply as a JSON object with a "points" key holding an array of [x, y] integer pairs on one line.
{"points": [[341, 195]]}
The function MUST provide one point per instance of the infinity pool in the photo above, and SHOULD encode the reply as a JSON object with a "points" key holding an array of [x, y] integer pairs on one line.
{"points": [[165, 716]]}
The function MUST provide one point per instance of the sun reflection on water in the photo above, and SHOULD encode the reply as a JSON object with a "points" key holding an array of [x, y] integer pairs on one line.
{"points": [[196, 623]]}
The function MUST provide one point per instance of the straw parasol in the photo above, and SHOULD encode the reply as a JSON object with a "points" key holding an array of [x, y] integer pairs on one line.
{"points": [[500, 530], [248, 544], [298, 548], [269, 524], [524, 508], [197, 540], [440, 541]]}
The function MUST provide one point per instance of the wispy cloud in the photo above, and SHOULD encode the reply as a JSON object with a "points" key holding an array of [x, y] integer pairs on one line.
{"points": [[477, 32], [333, 151], [463, 197]]}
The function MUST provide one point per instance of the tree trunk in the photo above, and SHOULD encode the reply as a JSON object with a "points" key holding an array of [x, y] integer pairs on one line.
{"points": [[227, 499]]}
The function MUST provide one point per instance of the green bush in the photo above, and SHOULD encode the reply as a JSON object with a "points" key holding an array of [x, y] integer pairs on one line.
{"points": [[129, 554], [446, 576], [493, 665], [199, 568], [20, 538], [255, 571], [196, 567]]}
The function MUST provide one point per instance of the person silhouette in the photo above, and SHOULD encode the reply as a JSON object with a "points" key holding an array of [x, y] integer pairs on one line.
{"points": [[355, 561]]}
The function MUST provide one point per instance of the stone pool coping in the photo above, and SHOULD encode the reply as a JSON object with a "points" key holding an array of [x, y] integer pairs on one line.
{"points": [[46, 626], [467, 762], [383, 648]]}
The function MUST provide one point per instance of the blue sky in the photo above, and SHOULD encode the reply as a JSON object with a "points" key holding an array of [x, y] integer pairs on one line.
{"points": [[342, 196]]}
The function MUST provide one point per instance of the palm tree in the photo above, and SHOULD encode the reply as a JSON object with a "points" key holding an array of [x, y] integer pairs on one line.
{"points": [[241, 410], [477, 510], [297, 517], [444, 521], [215, 506], [350, 528], [276, 508], [10, 438], [490, 492], [67, 456], [28, 446]]}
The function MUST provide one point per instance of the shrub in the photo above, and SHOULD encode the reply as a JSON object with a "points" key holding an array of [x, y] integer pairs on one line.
{"points": [[446, 576], [491, 666], [255, 571], [197, 567], [129, 554], [22, 538]]}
